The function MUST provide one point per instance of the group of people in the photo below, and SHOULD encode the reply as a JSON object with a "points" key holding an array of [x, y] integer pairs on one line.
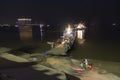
{"points": [[84, 65]]}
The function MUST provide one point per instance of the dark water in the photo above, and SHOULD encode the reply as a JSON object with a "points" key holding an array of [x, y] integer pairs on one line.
{"points": [[101, 43], [9, 33]]}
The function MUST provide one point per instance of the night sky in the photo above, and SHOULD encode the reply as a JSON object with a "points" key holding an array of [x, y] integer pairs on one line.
{"points": [[51, 11]]}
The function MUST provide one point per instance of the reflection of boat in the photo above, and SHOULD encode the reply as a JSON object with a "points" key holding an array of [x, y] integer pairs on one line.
{"points": [[80, 33]]}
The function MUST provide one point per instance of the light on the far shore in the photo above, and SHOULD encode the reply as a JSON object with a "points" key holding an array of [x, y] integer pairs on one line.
{"points": [[24, 19]]}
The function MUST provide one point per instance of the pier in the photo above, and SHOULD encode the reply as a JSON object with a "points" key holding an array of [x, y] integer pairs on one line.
{"points": [[61, 46], [67, 40]]}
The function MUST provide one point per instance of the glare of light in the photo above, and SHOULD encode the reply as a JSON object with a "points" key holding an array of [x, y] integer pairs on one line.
{"points": [[63, 42], [69, 30], [81, 26]]}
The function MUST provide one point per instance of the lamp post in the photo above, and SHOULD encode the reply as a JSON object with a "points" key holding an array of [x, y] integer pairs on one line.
{"points": [[41, 32]]}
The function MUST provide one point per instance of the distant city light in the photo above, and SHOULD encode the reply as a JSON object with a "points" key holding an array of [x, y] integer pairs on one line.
{"points": [[48, 25], [24, 19], [3, 25], [16, 26], [114, 24], [41, 25]]}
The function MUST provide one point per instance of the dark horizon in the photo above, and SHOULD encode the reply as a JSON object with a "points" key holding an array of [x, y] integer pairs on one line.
{"points": [[59, 11]]}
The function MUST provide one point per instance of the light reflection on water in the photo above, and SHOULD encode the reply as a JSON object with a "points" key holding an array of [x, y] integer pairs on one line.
{"points": [[94, 47]]}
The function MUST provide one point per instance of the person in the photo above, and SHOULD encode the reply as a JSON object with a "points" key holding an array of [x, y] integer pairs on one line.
{"points": [[81, 66], [85, 63]]}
